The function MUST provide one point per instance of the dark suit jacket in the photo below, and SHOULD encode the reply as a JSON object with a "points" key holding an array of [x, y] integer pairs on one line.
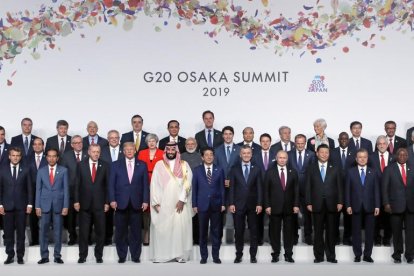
{"points": [[257, 159], [398, 143], [17, 141], [92, 195], [311, 147], [245, 196], [54, 143], [101, 141], [308, 158], [220, 158], [363, 144], [362, 197], [408, 136], [31, 162], [130, 137], [336, 159], [410, 154], [317, 190], [208, 196], [180, 143], [123, 192], [106, 154], [281, 201], [256, 148], [15, 194], [4, 159], [394, 192], [278, 146], [202, 139], [69, 161], [375, 163]]}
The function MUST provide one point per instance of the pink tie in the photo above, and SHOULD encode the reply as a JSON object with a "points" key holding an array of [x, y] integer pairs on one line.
{"points": [[130, 172], [38, 162]]}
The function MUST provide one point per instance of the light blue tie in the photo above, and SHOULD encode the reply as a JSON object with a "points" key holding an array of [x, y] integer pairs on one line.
{"points": [[228, 154], [362, 176], [113, 155], [323, 173]]}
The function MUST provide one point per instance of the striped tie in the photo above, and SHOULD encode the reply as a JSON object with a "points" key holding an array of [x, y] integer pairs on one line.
{"points": [[209, 175]]}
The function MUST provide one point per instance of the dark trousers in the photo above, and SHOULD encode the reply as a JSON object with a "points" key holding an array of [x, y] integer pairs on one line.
{"points": [[45, 220], [260, 227], [239, 219], [324, 222], [358, 220], [86, 219], [70, 222], [196, 231], [275, 228], [216, 232], [382, 221], [307, 219], [397, 221], [347, 221], [34, 227], [109, 225], [14, 220], [128, 218]]}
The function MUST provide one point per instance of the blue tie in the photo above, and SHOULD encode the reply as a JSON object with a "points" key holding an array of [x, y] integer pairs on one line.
{"points": [[228, 154], [362, 176], [26, 145], [300, 161], [209, 142], [343, 158], [246, 172], [323, 173]]}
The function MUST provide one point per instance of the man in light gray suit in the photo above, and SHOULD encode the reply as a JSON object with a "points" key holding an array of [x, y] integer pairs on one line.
{"points": [[52, 199]]}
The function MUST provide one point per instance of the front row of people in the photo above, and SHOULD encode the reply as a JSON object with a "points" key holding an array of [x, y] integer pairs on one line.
{"points": [[177, 192]]}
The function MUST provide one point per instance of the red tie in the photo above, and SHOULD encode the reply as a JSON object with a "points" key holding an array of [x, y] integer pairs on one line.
{"points": [[77, 157], [382, 163], [404, 176], [391, 146], [92, 141], [93, 172], [51, 177], [282, 179]]}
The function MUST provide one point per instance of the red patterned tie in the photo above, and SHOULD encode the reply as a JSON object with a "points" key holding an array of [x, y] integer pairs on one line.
{"points": [[51, 177], [382, 163], [404, 176], [282, 179], [391, 146], [93, 172]]}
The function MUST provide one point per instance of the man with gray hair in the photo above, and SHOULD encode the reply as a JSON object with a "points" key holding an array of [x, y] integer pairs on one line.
{"points": [[93, 137], [248, 136], [284, 143]]}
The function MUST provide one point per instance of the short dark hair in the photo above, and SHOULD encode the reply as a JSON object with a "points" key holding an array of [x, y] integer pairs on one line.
{"points": [[137, 116], [246, 147], [390, 122], [16, 149], [53, 149], [361, 150], [354, 123], [265, 135], [207, 112], [300, 136], [62, 123], [2, 128], [229, 128], [322, 146], [204, 149], [173, 121], [26, 119], [41, 140]]}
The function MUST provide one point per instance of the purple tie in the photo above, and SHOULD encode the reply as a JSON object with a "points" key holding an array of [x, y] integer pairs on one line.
{"points": [[266, 160], [130, 171]]}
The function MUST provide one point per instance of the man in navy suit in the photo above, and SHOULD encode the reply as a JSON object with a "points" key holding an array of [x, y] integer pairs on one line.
{"points": [[379, 160], [52, 200], [4, 156], [173, 127], [209, 202], [137, 135], [93, 137], [209, 136], [357, 142], [284, 143], [248, 136], [281, 201], [228, 153], [300, 159], [398, 200], [324, 198], [24, 140], [61, 140], [129, 197], [16, 200], [362, 202], [245, 201], [394, 142]]}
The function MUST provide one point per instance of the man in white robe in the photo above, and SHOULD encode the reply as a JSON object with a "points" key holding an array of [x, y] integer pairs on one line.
{"points": [[171, 209]]}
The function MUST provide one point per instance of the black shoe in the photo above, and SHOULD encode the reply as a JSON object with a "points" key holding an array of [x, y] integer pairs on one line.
{"points": [[289, 259], [377, 241], [34, 243], [43, 261], [145, 243], [357, 259], [81, 260], [203, 261], [136, 260], [397, 260], [275, 259], [308, 240], [9, 260], [99, 260], [121, 260], [368, 259], [260, 243], [71, 242], [58, 260], [333, 261], [253, 260], [109, 242], [20, 260], [90, 242], [295, 241], [238, 260], [386, 242], [410, 261], [217, 261], [317, 261]]}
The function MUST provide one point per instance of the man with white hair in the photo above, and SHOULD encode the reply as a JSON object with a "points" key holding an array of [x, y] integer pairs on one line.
{"points": [[284, 143]]}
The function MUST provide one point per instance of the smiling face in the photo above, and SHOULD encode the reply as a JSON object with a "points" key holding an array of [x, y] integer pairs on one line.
{"points": [[52, 157], [323, 155], [27, 127], [208, 120]]}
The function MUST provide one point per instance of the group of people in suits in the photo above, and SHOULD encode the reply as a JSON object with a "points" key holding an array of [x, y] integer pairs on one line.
{"points": [[95, 184]]}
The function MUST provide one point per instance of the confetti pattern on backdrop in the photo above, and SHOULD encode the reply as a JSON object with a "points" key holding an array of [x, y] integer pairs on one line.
{"points": [[315, 27]]}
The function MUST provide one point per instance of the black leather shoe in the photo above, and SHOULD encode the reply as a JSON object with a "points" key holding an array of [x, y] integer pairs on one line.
{"points": [[333, 261], [71, 242], [121, 260], [397, 260], [317, 261], [43, 261], [368, 259], [253, 260], [289, 259], [9, 260], [34, 243], [217, 261], [203, 261], [81, 260], [99, 260], [260, 243], [58, 260], [410, 261], [108, 242], [238, 260], [20, 260], [136, 261], [357, 259], [275, 259]]}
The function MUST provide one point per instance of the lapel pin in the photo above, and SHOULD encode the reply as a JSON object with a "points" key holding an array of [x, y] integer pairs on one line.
{"points": [[100, 165]]}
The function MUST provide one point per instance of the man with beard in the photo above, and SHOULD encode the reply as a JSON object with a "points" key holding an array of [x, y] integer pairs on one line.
{"points": [[171, 231]]}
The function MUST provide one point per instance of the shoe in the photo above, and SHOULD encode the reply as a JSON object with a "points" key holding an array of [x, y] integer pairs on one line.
{"points": [[238, 260], [20, 260], [308, 240], [260, 243], [275, 259], [81, 260], [253, 260], [145, 243], [357, 259], [90, 242], [317, 261], [368, 259], [289, 259], [203, 261], [58, 260], [99, 260], [121, 260], [377, 241], [34, 243], [136, 260], [9, 260], [109, 242], [43, 261], [71, 242], [333, 261], [217, 261], [397, 260], [410, 261]]}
